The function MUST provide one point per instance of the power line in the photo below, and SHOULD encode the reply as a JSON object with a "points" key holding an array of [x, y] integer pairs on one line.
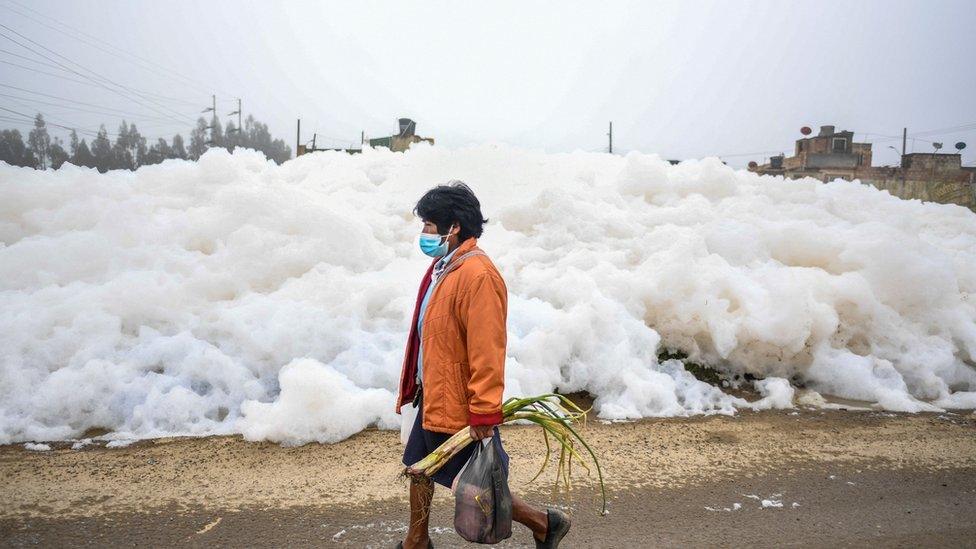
{"points": [[30, 124], [29, 121], [31, 59], [335, 139], [45, 72], [747, 154], [51, 123], [15, 120], [79, 65], [951, 129], [100, 44], [94, 41], [100, 84], [116, 112], [927, 133], [53, 66], [82, 67], [80, 110], [69, 79]]}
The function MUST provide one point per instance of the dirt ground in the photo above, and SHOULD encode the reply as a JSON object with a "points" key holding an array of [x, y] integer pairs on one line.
{"points": [[778, 478]]}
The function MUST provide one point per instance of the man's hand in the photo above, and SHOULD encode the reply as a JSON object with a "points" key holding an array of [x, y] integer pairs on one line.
{"points": [[479, 432]]}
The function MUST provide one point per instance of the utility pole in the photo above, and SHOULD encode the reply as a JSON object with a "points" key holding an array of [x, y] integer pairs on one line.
{"points": [[298, 137], [212, 109], [901, 161], [213, 121], [362, 138], [904, 141], [314, 135], [238, 113], [236, 130], [610, 133]]}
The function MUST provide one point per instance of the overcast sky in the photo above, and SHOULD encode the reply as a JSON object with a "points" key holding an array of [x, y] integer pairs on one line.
{"points": [[683, 79]]}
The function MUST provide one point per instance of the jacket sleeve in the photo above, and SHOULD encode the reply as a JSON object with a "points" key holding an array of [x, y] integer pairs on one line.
{"points": [[484, 317]]}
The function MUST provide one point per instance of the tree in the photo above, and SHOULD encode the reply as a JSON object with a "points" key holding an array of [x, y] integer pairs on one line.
{"points": [[57, 154], [256, 136], [137, 145], [101, 150], [74, 144], [198, 140], [130, 150], [177, 150], [13, 151], [216, 133], [83, 156], [232, 137], [159, 151], [40, 142], [122, 157]]}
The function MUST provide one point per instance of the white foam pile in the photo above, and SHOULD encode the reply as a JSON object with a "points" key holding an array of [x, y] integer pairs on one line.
{"points": [[233, 295]]}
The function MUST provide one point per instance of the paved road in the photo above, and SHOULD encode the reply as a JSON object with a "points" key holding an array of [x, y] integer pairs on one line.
{"points": [[764, 480]]}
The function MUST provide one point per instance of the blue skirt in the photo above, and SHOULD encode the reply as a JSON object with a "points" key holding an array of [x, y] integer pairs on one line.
{"points": [[422, 442]]}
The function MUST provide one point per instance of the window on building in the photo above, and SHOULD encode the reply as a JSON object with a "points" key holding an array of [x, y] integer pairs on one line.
{"points": [[839, 144]]}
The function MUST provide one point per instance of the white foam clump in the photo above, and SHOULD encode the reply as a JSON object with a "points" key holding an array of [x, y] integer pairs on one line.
{"points": [[120, 443], [37, 446], [317, 404], [776, 393], [80, 444], [169, 301]]}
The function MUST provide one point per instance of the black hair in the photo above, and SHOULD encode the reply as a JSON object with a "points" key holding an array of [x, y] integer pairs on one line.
{"points": [[452, 203]]}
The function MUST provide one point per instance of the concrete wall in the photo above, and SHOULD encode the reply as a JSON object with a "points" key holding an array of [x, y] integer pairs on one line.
{"points": [[958, 187], [944, 192], [930, 161]]}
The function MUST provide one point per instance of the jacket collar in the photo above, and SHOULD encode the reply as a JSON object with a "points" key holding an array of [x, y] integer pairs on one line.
{"points": [[464, 248]]}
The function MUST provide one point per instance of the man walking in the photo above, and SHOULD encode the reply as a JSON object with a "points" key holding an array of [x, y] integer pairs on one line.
{"points": [[454, 365]]}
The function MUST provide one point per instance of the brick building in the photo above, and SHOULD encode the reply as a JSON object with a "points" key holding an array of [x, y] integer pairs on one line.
{"points": [[829, 155]]}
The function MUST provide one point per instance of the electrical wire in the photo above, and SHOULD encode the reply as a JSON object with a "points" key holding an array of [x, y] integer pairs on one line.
{"points": [[100, 44], [100, 77], [49, 122], [71, 108], [952, 129], [757, 153], [61, 76], [31, 59], [100, 84], [29, 121], [115, 113], [69, 79]]}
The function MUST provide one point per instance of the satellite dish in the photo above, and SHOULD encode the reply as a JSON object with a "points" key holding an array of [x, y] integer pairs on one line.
{"points": [[960, 146], [805, 130], [937, 146], [753, 165]]}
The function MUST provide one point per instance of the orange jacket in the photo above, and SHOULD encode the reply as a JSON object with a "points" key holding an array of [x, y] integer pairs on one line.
{"points": [[464, 344]]}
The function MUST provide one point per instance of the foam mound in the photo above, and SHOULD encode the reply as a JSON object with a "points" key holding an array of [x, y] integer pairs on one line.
{"points": [[236, 296]]}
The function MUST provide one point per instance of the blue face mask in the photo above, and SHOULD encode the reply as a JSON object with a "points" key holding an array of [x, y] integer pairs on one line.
{"points": [[432, 245]]}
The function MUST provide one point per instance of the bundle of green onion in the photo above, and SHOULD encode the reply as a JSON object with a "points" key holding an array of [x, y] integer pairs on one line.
{"points": [[557, 416]]}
